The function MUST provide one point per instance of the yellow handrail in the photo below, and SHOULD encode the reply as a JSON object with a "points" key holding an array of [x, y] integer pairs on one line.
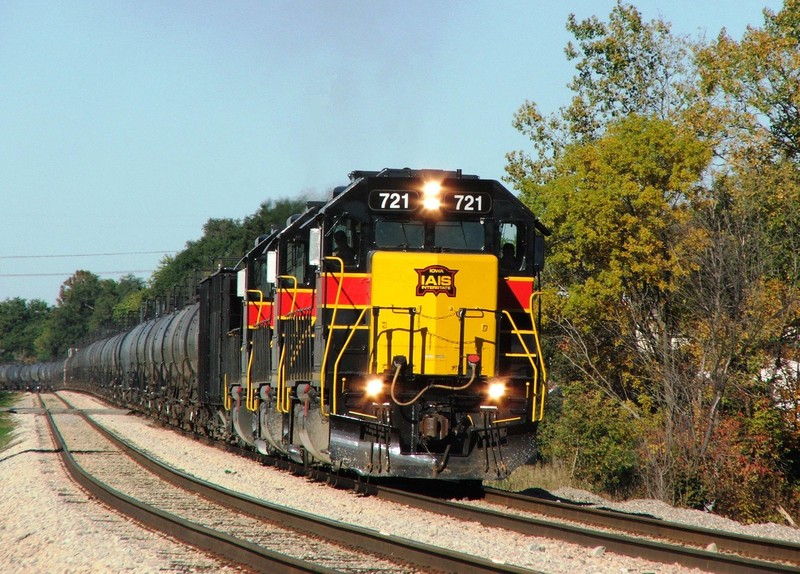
{"points": [[328, 342], [251, 402], [226, 397], [353, 328], [281, 382], [535, 295], [529, 356], [279, 400], [260, 303], [293, 279]]}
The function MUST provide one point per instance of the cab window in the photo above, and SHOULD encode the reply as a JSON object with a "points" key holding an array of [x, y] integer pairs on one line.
{"points": [[399, 234], [344, 241], [296, 261], [460, 235], [512, 246]]}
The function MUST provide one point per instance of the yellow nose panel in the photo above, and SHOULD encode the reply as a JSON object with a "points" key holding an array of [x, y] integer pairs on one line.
{"points": [[436, 286]]}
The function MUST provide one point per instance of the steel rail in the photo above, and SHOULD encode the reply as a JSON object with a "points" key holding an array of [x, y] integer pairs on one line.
{"points": [[626, 545], [621, 544], [208, 540], [425, 556], [767, 548]]}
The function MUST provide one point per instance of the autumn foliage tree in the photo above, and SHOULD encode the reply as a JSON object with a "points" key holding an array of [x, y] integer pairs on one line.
{"points": [[670, 182]]}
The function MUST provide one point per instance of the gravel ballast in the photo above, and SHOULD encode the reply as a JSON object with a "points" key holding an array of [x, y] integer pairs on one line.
{"points": [[48, 524], [246, 476]]}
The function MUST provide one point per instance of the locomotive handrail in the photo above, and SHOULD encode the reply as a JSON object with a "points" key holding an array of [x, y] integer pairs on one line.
{"points": [[226, 397], [328, 339], [297, 338], [250, 403], [529, 356], [279, 401], [260, 305], [353, 328], [535, 328], [293, 279], [281, 381], [462, 324], [376, 335], [283, 400]]}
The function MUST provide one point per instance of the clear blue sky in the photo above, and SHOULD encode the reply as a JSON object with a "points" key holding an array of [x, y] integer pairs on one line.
{"points": [[126, 125]]}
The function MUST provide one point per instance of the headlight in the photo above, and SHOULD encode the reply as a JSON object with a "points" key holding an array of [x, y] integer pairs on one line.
{"points": [[374, 387], [430, 195], [497, 390]]}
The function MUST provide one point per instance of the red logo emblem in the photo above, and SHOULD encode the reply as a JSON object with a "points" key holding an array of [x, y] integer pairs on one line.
{"points": [[436, 279]]}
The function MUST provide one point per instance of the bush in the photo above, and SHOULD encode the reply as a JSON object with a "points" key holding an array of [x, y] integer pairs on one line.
{"points": [[596, 439], [742, 476]]}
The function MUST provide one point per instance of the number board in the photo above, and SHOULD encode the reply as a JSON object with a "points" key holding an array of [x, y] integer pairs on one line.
{"points": [[467, 202], [405, 200], [393, 200]]}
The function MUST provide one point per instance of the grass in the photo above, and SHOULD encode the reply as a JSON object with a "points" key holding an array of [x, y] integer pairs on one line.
{"points": [[6, 426], [548, 477]]}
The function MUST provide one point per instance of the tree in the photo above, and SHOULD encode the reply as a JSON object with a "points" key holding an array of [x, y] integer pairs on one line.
{"points": [[87, 306], [624, 67], [760, 77], [224, 242], [21, 322], [674, 276], [69, 322], [219, 235], [622, 246]]}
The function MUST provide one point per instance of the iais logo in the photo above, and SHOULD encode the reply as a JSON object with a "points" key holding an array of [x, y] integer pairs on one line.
{"points": [[436, 279]]}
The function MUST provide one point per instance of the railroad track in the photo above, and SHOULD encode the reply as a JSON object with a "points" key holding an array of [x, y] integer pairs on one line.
{"points": [[630, 535], [259, 535], [639, 525]]}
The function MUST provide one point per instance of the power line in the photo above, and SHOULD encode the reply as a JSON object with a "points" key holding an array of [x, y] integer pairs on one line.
{"points": [[83, 255], [73, 272]]}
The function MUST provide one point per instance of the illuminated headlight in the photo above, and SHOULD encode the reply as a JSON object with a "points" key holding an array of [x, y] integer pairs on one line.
{"points": [[497, 390], [431, 203], [430, 195], [374, 387]]}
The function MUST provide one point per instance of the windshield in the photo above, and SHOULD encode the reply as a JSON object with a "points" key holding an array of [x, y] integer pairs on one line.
{"points": [[448, 235], [398, 234], [460, 235]]}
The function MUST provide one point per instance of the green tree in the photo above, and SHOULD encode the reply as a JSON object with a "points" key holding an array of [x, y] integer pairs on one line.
{"points": [[622, 246], [592, 436], [130, 296], [70, 321], [224, 242], [21, 322], [624, 67], [219, 236]]}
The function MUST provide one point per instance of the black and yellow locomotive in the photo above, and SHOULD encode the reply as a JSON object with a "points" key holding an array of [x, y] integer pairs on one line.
{"points": [[390, 330]]}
